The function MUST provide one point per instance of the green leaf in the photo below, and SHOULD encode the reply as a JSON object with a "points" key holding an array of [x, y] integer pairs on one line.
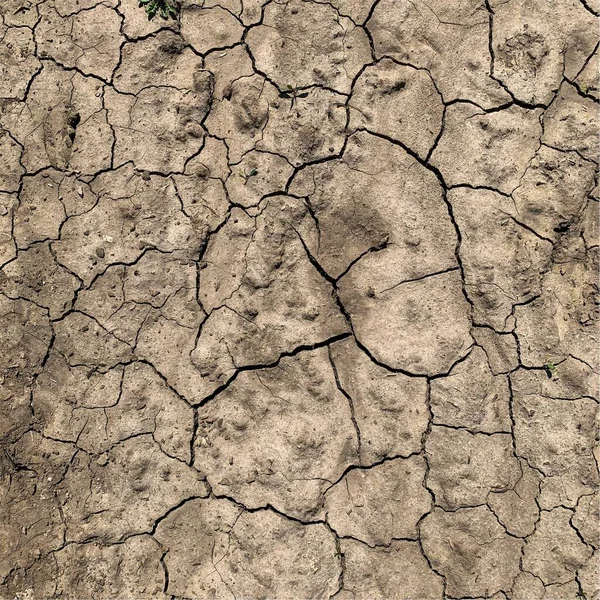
{"points": [[165, 8]]}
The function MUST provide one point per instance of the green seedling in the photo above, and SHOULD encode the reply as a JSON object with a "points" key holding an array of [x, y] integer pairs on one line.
{"points": [[164, 8], [291, 93], [550, 369], [245, 175]]}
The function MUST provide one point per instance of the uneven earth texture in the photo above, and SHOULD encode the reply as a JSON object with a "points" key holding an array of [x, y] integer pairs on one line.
{"points": [[299, 300]]}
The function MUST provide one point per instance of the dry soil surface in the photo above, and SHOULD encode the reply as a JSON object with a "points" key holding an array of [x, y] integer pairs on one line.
{"points": [[299, 300]]}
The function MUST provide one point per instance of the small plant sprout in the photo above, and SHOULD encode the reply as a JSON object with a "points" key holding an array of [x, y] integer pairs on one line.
{"points": [[291, 92], [164, 8], [550, 369], [245, 175]]}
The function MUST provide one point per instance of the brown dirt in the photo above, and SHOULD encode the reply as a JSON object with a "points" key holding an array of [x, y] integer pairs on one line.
{"points": [[339, 342]]}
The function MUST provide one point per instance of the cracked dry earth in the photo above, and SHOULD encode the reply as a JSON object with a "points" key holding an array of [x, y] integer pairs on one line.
{"points": [[338, 341]]}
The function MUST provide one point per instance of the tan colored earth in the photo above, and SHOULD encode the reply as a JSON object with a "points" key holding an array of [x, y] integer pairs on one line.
{"points": [[299, 300]]}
